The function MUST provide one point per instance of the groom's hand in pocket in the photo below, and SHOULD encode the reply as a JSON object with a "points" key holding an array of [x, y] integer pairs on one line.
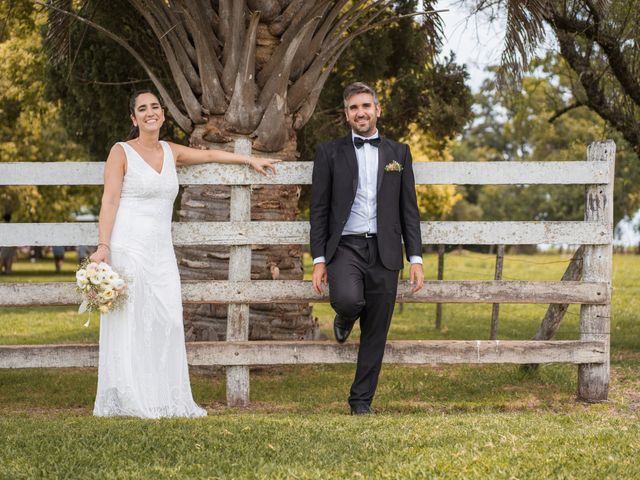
{"points": [[319, 277]]}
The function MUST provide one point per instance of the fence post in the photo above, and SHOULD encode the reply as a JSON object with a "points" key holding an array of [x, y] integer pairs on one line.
{"points": [[440, 277], [595, 320], [496, 306], [239, 269]]}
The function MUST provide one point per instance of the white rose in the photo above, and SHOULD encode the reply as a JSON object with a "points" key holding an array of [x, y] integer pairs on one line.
{"points": [[118, 284], [107, 294], [94, 278], [81, 277], [103, 267]]}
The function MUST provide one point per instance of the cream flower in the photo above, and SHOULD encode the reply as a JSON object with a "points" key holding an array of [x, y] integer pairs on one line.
{"points": [[112, 277], [107, 294], [100, 287], [81, 277], [104, 267]]}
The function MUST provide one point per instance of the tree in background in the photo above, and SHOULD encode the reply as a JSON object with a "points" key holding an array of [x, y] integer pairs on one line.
{"points": [[435, 202], [92, 76], [598, 39], [233, 69], [31, 129], [524, 126]]}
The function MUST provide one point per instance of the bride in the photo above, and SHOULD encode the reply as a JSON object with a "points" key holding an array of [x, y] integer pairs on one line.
{"points": [[143, 363]]}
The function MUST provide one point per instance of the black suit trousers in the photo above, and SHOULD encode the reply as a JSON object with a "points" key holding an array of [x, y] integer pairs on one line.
{"points": [[361, 287]]}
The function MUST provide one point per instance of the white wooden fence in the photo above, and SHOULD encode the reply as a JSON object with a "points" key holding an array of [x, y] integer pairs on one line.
{"points": [[590, 352]]}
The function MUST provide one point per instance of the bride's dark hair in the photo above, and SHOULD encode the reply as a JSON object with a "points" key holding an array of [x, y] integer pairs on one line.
{"points": [[135, 131]]}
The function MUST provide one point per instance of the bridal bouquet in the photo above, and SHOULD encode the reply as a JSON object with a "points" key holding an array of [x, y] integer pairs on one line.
{"points": [[102, 289]]}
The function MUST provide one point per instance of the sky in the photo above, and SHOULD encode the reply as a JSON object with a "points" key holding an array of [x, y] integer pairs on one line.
{"points": [[475, 42]]}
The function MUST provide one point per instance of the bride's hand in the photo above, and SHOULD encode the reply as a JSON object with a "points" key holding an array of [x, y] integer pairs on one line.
{"points": [[263, 165], [100, 255]]}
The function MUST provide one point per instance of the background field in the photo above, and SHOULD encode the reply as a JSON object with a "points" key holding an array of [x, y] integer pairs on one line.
{"points": [[436, 421]]}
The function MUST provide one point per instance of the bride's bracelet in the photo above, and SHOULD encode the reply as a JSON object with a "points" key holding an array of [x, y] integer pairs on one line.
{"points": [[104, 245]]}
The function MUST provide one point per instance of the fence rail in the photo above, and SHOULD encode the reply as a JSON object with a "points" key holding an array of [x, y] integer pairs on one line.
{"points": [[591, 352], [299, 173], [284, 233], [245, 354], [291, 291]]}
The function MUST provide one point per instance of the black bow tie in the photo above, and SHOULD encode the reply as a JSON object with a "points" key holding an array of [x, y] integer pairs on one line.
{"points": [[359, 142]]}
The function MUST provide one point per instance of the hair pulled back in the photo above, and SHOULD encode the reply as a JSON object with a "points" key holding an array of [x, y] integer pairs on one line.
{"points": [[135, 131]]}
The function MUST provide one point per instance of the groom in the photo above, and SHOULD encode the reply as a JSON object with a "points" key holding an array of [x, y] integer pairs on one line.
{"points": [[363, 199]]}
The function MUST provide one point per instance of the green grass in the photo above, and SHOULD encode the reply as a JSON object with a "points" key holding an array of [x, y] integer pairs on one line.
{"points": [[452, 421], [29, 326], [325, 446], [42, 270]]}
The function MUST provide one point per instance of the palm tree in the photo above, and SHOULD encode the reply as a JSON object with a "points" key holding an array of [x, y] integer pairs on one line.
{"points": [[241, 69]]}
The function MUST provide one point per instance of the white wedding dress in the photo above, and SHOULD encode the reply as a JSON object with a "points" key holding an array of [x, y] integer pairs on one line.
{"points": [[143, 362]]}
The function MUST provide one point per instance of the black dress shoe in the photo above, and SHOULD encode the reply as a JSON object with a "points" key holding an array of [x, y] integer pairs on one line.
{"points": [[361, 409], [342, 328]]}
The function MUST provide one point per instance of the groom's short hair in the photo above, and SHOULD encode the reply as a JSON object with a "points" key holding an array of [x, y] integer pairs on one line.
{"points": [[358, 87]]}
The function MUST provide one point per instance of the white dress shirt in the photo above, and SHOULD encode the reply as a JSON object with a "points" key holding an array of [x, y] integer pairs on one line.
{"points": [[364, 211]]}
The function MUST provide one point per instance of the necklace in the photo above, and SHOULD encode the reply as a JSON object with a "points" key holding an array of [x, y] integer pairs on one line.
{"points": [[150, 149]]}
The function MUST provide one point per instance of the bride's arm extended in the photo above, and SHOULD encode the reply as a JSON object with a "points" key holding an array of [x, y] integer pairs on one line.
{"points": [[114, 171], [194, 156]]}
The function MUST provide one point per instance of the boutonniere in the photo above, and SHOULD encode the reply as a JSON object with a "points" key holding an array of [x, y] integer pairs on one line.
{"points": [[393, 167]]}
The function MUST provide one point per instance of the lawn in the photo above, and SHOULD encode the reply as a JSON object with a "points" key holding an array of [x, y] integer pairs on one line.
{"points": [[448, 421]]}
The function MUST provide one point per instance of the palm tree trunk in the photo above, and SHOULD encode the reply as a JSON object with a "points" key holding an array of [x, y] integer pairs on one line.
{"points": [[208, 203]]}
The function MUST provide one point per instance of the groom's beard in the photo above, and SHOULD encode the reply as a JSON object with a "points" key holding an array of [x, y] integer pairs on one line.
{"points": [[366, 128]]}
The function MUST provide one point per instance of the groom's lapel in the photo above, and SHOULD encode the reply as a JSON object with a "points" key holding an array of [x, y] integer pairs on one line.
{"points": [[348, 152], [385, 154]]}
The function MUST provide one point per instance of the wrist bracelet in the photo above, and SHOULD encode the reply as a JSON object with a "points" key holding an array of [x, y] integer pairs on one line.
{"points": [[105, 245]]}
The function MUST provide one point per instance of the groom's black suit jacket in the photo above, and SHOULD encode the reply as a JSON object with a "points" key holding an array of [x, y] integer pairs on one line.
{"points": [[333, 190]]}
